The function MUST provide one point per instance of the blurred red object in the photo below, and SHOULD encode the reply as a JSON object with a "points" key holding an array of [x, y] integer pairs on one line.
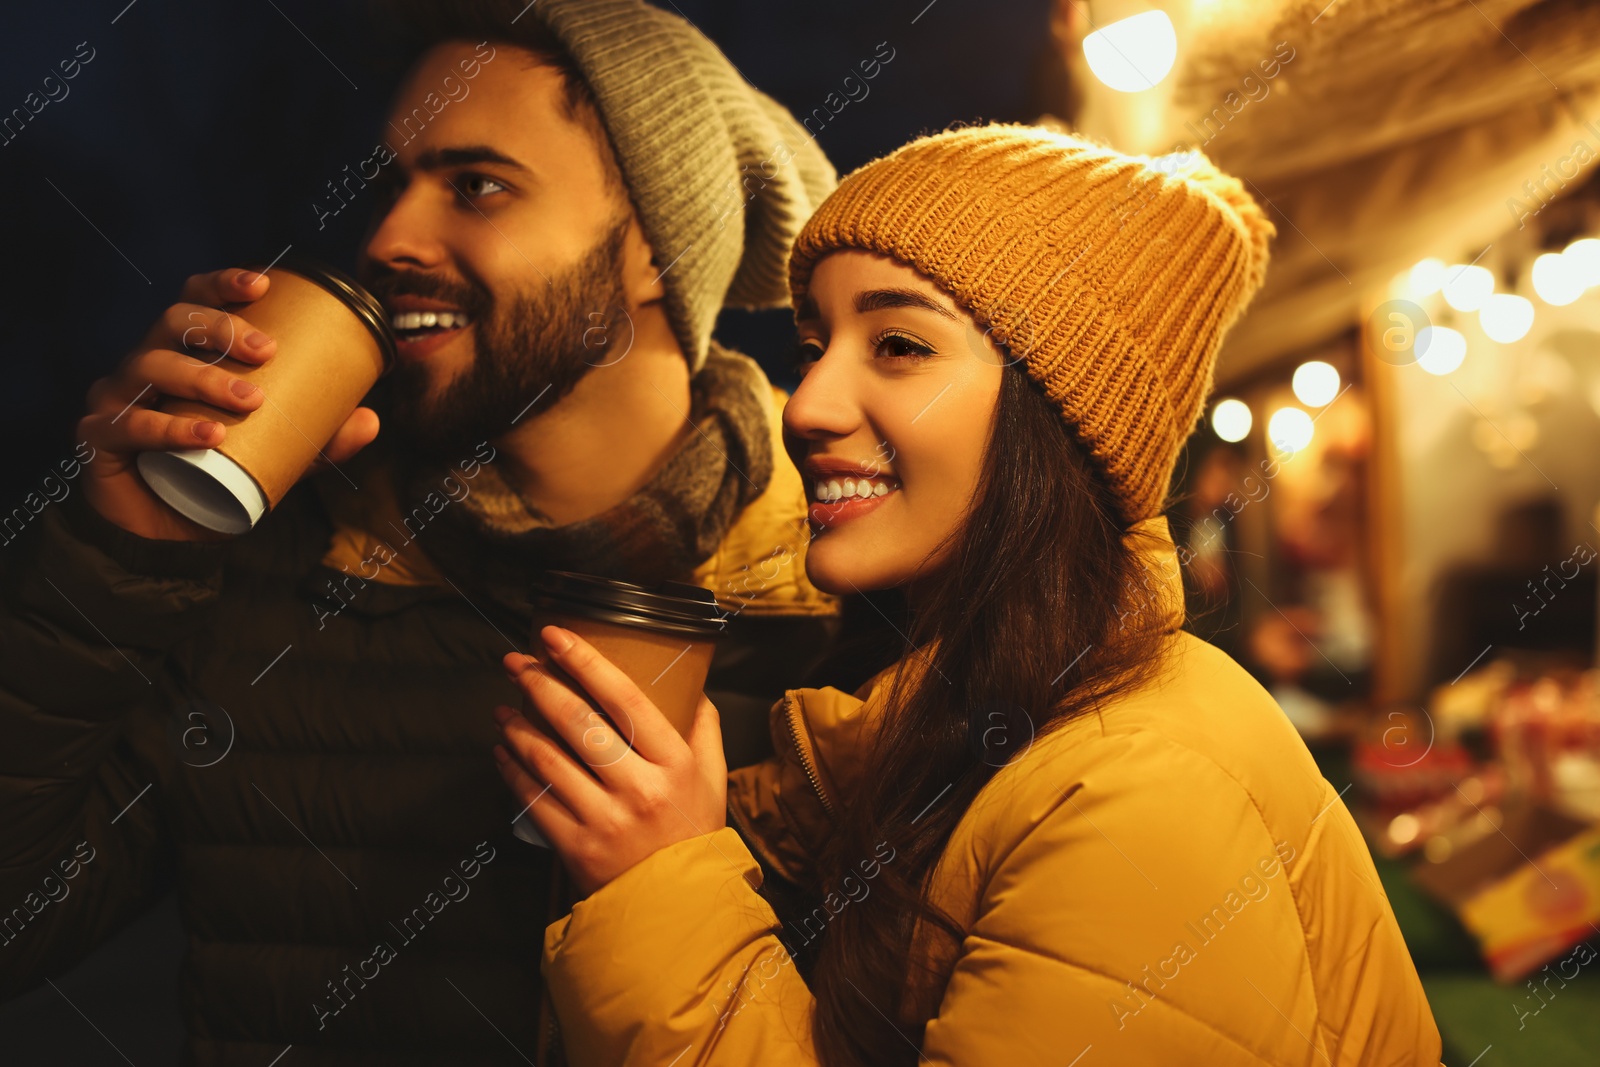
{"points": [[1400, 762]]}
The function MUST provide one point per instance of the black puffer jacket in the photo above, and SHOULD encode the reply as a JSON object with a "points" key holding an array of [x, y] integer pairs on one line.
{"points": [[319, 790]]}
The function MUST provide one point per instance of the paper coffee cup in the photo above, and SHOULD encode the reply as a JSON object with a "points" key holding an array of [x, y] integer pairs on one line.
{"points": [[662, 636], [334, 342]]}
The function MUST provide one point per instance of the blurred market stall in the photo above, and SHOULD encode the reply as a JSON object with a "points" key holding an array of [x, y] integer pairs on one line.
{"points": [[1394, 516]]}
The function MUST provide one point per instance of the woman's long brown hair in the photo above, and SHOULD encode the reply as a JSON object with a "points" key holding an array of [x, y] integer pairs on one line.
{"points": [[1036, 617]]}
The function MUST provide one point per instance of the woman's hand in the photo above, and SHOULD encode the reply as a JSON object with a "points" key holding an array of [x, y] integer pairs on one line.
{"points": [[635, 792]]}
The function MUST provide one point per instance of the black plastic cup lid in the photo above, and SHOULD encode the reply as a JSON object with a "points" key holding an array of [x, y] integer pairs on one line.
{"points": [[665, 607], [352, 293]]}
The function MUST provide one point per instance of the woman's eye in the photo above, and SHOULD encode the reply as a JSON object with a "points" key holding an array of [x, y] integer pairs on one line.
{"points": [[470, 186], [895, 346]]}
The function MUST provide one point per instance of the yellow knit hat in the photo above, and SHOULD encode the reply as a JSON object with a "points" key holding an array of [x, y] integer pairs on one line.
{"points": [[1111, 277]]}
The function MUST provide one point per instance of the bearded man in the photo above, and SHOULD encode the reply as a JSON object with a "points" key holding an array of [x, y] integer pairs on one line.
{"points": [[293, 727]]}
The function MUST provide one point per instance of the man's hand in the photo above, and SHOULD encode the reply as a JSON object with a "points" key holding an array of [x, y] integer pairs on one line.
{"points": [[180, 357], [636, 792]]}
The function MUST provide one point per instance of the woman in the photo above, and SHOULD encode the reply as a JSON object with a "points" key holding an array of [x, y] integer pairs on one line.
{"points": [[1058, 829]]}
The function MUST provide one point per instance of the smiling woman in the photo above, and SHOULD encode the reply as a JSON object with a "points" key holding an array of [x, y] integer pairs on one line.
{"points": [[1000, 365], [890, 364]]}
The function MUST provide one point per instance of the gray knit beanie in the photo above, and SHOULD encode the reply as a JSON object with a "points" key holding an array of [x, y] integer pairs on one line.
{"points": [[721, 175]]}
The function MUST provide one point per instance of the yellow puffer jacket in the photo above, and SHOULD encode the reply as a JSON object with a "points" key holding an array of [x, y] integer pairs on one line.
{"points": [[1167, 881]]}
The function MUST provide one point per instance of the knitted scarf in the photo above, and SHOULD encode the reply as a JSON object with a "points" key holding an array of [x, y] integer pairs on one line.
{"points": [[493, 541]]}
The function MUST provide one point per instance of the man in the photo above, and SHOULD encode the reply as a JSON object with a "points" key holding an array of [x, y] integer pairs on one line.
{"points": [[294, 727]]}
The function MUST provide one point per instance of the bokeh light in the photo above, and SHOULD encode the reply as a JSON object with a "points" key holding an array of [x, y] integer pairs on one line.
{"points": [[1231, 420], [1316, 383], [1427, 277], [1506, 317], [1134, 53], [1557, 279], [1440, 349], [1289, 429], [1584, 256], [1466, 288]]}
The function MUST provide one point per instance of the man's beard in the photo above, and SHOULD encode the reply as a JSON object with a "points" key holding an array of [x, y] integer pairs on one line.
{"points": [[528, 355]]}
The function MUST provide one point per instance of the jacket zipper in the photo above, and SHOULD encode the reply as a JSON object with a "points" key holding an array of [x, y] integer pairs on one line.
{"points": [[803, 750]]}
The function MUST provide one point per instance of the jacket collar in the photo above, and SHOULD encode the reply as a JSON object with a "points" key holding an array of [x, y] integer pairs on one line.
{"points": [[822, 734]]}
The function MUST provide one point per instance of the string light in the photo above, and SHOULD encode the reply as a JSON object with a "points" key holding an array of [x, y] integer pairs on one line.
{"points": [[1440, 349], [1557, 279], [1467, 287], [1427, 277], [1231, 420], [1316, 383], [1506, 317], [1289, 429], [1584, 256], [1133, 54]]}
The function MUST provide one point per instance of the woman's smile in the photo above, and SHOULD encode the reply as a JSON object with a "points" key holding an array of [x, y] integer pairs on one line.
{"points": [[842, 490]]}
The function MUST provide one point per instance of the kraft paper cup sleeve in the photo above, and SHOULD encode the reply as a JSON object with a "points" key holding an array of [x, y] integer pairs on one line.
{"points": [[206, 487], [326, 362], [333, 345]]}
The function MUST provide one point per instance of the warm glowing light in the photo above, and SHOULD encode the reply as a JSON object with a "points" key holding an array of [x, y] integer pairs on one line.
{"points": [[1506, 317], [1556, 279], [1231, 419], [1289, 429], [1134, 53], [1440, 349], [1316, 383], [1428, 277], [1466, 288], [1403, 828], [1584, 255]]}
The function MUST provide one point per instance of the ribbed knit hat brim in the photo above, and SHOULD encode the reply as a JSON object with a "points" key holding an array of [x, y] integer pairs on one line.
{"points": [[1113, 278]]}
